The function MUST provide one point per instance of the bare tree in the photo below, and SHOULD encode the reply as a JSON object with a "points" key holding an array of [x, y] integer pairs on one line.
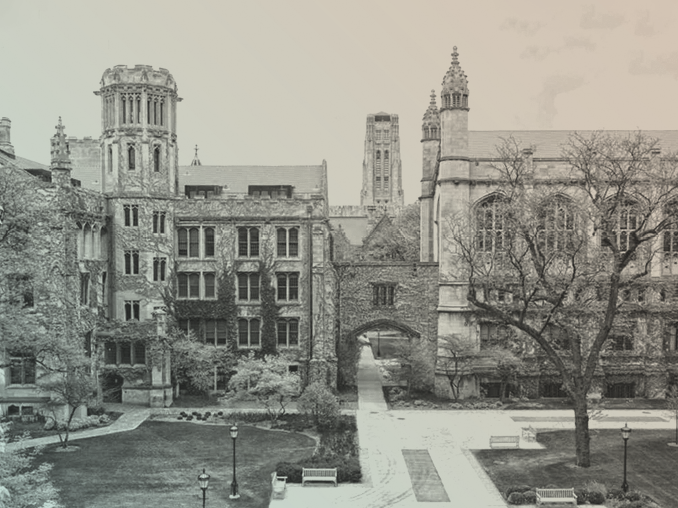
{"points": [[557, 261]]}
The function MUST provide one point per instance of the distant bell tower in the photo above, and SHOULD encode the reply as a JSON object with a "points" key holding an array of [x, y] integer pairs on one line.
{"points": [[382, 170], [138, 131]]}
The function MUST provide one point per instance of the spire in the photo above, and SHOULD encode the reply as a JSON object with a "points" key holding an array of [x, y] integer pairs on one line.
{"points": [[431, 122], [196, 161], [60, 151], [455, 86]]}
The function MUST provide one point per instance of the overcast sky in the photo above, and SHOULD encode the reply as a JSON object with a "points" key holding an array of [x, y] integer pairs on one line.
{"points": [[291, 82]]}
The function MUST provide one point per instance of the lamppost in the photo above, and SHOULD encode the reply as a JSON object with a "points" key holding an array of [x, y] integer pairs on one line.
{"points": [[379, 343], [626, 433], [203, 480], [234, 483]]}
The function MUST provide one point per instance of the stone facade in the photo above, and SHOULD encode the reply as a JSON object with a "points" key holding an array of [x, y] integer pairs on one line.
{"points": [[395, 296], [458, 175]]}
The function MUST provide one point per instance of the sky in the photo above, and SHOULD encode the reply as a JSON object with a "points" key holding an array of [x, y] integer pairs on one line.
{"points": [[291, 82]]}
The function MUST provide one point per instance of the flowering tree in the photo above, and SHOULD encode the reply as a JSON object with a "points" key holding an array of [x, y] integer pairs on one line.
{"points": [[268, 380]]}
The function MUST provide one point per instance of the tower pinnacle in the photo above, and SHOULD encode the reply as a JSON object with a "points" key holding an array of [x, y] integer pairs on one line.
{"points": [[455, 86], [60, 152], [431, 122]]}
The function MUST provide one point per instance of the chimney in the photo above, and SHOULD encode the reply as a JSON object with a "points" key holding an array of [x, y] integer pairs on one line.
{"points": [[5, 143]]}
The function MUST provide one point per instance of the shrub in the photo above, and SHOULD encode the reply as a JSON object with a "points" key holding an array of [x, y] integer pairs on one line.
{"points": [[595, 497], [530, 497], [516, 488], [633, 496], [348, 470], [615, 494], [292, 471], [582, 496], [320, 404], [96, 410], [516, 498]]}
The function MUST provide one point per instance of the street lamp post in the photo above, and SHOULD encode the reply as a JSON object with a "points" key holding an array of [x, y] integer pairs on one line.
{"points": [[234, 483], [379, 343], [203, 480], [626, 433]]}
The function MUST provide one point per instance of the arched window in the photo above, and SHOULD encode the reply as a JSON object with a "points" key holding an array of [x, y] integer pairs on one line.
{"points": [[491, 225], [556, 226], [131, 155], [446, 101], [156, 159]]}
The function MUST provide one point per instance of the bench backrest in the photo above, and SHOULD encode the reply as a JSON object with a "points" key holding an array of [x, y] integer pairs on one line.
{"points": [[319, 472], [555, 493], [502, 439]]}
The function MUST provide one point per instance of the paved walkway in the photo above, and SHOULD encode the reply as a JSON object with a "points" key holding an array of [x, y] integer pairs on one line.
{"points": [[447, 437]]}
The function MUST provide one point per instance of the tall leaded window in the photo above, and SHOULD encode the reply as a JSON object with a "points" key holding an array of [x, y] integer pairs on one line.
{"points": [[248, 332], [132, 310], [188, 285], [248, 242], [216, 332], [670, 239], [626, 224], [21, 369], [209, 280], [248, 286], [491, 225], [288, 332], [288, 286], [110, 159], [556, 226], [159, 222], [209, 242], [131, 262], [156, 159], [159, 269], [288, 242], [131, 158], [131, 215]]}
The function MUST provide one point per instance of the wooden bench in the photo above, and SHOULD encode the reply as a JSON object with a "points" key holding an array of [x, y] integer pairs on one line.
{"points": [[556, 496], [504, 441], [279, 484], [318, 475]]}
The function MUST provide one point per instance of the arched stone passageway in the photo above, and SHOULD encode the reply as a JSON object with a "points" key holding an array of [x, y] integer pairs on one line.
{"points": [[399, 299]]}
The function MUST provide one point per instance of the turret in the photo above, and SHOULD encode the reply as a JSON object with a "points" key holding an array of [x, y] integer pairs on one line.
{"points": [[138, 122], [430, 144]]}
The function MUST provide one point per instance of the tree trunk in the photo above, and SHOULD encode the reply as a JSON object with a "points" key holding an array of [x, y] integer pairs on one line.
{"points": [[582, 438]]}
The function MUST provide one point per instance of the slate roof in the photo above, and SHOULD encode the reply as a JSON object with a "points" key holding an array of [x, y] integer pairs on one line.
{"points": [[548, 144], [304, 179], [20, 162]]}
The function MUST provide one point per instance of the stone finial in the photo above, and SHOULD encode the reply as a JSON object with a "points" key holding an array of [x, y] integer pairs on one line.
{"points": [[196, 160], [431, 117], [60, 152], [455, 82]]}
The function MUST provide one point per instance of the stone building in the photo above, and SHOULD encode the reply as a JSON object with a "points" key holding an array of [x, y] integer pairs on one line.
{"points": [[458, 177]]}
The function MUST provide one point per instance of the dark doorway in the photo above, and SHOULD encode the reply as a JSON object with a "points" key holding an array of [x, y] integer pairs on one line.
{"points": [[111, 385]]}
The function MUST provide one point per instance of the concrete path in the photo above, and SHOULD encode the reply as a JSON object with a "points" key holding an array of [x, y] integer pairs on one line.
{"points": [[132, 416]]}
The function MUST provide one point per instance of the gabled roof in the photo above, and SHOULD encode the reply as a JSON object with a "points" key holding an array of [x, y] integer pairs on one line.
{"points": [[20, 162], [237, 179], [549, 144]]}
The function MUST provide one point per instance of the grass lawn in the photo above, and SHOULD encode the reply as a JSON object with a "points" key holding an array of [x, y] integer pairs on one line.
{"points": [[157, 465], [651, 466]]}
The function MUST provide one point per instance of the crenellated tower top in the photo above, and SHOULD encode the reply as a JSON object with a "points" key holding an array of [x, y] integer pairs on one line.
{"points": [[454, 94], [431, 121]]}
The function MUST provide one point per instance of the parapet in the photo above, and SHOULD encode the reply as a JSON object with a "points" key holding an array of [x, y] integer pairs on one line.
{"points": [[139, 74]]}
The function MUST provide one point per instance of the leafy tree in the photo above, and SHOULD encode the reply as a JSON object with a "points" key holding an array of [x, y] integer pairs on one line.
{"points": [[395, 239], [456, 359], [318, 402], [21, 484], [268, 380], [556, 261], [415, 365], [73, 388]]}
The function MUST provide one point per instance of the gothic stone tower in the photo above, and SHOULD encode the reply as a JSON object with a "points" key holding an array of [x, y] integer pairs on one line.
{"points": [[140, 181], [430, 142], [382, 171]]}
